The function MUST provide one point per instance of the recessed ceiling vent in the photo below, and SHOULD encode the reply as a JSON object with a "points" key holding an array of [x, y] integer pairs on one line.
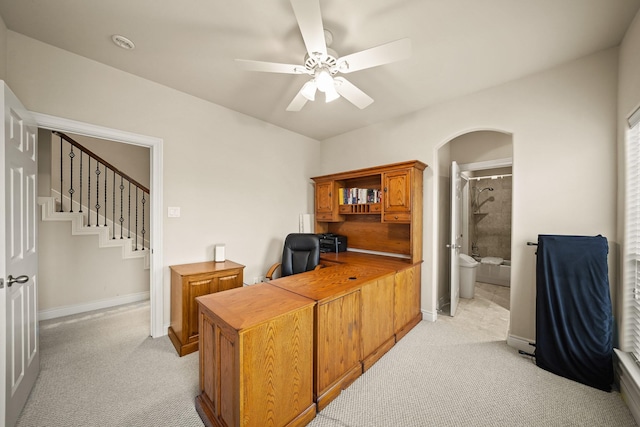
{"points": [[123, 42]]}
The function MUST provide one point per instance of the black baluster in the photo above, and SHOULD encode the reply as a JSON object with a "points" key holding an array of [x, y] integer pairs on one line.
{"points": [[129, 214], [121, 217], [98, 195], [89, 193], [80, 181], [143, 230], [136, 218], [61, 174], [105, 194], [71, 191], [113, 205]]}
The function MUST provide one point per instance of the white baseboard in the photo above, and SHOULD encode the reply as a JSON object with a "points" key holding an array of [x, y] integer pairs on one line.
{"points": [[54, 313], [429, 316], [520, 343]]}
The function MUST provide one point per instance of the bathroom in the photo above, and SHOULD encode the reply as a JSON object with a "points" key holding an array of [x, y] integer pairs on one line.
{"points": [[485, 217]]}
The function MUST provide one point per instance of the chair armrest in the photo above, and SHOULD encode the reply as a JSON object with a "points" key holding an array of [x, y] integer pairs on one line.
{"points": [[272, 270], [318, 267]]}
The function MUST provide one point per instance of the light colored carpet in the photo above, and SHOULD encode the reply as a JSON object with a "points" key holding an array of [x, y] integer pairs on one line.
{"points": [[101, 369]]}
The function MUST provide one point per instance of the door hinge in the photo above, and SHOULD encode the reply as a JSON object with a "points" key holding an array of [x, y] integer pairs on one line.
{"points": [[1, 283]]}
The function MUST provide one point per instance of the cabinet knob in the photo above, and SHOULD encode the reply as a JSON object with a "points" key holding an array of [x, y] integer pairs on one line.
{"points": [[395, 217], [385, 189]]}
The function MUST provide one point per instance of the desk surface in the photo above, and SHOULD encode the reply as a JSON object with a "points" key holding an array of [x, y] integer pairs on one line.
{"points": [[248, 306], [331, 282]]}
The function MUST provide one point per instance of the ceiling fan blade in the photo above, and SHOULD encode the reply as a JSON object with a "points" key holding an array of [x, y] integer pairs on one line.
{"points": [[379, 55], [310, 22], [351, 93], [271, 67], [298, 102]]}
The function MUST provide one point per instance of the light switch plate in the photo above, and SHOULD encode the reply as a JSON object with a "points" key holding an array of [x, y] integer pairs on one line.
{"points": [[173, 212]]}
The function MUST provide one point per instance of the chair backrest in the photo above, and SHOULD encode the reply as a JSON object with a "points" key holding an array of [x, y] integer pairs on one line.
{"points": [[301, 253]]}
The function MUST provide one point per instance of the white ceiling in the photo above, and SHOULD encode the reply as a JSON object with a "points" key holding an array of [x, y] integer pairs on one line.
{"points": [[459, 47]]}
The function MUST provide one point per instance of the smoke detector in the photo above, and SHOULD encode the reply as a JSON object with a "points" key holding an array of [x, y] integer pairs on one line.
{"points": [[123, 42]]}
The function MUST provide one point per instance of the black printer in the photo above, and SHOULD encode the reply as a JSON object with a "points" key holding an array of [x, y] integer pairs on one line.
{"points": [[332, 243]]}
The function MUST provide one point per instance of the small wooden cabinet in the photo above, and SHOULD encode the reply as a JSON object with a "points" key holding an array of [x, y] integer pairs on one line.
{"points": [[189, 281], [256, 358]]}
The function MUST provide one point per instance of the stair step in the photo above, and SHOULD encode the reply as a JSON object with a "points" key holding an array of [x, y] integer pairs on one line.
{"points": [[78, 228]]}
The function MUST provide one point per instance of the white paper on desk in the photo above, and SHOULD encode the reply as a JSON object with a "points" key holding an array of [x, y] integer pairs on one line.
{"points": [[306, 223]]}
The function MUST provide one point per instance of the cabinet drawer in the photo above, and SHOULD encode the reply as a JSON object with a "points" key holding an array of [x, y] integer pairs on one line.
{"points": [[324, 216], [396, 217]]}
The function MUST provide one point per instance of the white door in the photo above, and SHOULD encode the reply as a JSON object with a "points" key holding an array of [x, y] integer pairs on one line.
{"points": [[455, 236], [20, 353]]}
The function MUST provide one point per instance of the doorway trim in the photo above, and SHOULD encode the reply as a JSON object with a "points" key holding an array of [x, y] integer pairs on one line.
{"points": [[156, 285]]}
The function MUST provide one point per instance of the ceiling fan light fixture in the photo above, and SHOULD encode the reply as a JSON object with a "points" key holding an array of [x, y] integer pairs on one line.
{"points": [[309, 90], [324, 81], [331, 94]]}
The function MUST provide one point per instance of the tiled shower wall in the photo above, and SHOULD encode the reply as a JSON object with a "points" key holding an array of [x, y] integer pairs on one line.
{"points": [[490, 220]]}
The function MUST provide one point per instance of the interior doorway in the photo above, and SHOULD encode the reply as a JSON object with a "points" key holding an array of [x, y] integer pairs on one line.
{"points": [[154, 144], [484, 219]]}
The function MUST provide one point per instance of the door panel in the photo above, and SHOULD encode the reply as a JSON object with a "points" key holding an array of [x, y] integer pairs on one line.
{"points": [[19, 258], [456, 236]]}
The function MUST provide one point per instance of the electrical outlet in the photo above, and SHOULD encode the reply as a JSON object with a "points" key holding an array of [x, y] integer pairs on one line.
{"points": [[261, 278], [256, 280]]}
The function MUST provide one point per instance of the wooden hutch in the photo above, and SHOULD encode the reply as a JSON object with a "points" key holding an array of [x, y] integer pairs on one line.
{"points": [[392, 223]]}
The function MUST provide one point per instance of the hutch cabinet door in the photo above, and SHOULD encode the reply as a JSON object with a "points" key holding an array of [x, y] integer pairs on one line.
{"points": [[397, 191], [324, 197]]}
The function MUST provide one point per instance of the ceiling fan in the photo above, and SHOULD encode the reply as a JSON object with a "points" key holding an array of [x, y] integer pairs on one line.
{"points": [[323, 64]]}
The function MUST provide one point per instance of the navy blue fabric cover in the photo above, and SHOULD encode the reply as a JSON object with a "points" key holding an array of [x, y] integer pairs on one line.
{"points": [[574, 320]]}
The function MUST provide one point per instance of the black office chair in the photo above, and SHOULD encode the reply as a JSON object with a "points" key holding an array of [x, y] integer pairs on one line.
{"points": [[301, 253]]}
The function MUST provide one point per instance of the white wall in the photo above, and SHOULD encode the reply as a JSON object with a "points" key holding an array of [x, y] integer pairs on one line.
{"points": [[481, 146], [563, 123], [628, 102], [237, 180], [83, 273]]}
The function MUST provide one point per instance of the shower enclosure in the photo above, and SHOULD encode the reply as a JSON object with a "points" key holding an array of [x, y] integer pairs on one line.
{"points": [[490, 227]]}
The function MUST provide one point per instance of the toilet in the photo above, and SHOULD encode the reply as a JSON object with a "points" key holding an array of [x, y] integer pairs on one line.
{"points": [[468, 268]]}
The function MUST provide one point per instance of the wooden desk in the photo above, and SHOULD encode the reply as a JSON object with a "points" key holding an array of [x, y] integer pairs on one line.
{"points": [[256, 358], [189, 281], [360, 306]]}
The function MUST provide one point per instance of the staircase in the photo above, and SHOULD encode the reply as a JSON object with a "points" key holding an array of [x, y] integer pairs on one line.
{"points": [[98, 199], [78, 228]]}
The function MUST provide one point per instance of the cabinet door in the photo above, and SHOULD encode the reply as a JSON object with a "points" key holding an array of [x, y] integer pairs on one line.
{"points": [[397, 191], [407, 300], [377, 319], [324, 197], [233, 280], [338, 339], [196, 286]]}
